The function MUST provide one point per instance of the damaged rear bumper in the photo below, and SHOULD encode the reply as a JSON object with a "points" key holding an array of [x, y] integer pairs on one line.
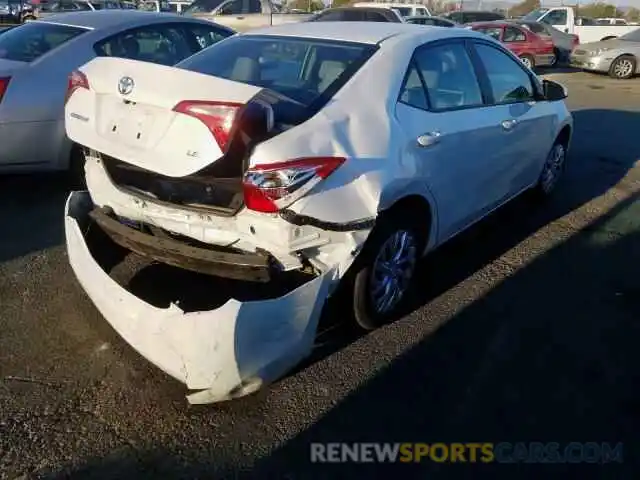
{"points": [[226, 352], [239, 266]]}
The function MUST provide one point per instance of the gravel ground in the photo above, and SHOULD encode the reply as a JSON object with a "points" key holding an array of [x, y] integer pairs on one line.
{"points": [[523, 329]]}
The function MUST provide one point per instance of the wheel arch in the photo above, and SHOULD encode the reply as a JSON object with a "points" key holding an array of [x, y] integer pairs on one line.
{"points": [[415, 197]]}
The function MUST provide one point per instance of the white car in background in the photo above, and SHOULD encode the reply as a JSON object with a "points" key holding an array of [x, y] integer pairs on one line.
{"points": [[37, 57], [340, 152]]}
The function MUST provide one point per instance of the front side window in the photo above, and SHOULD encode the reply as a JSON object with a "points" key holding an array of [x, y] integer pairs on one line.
{"points": [[159, 44], [202, 6], [301, 69], [556, 17], [510, 83], [233, 7], [403, 11], [30, 41], [513, 34], [449, 76]]}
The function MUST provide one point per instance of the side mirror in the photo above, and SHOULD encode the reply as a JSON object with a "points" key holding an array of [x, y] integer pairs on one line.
{"points": [[554, 91]]}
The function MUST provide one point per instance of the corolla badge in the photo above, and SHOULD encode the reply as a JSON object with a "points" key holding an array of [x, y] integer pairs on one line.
{"points": [[125, 85]]}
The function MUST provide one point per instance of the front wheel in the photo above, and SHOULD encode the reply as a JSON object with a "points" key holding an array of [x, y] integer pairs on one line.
{"points": [[386, 269], [552, 172], [623, 67], [528, 61]]}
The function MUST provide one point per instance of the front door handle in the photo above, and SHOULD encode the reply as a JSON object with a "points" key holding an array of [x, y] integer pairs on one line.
{"points": [[509, 124], [428, 139]]}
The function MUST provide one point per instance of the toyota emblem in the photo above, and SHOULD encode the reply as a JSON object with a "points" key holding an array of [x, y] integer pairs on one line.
{"points": [[125, 85]]}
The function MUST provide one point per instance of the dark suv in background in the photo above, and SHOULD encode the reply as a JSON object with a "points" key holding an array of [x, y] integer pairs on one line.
{"points": [[468, 16]]}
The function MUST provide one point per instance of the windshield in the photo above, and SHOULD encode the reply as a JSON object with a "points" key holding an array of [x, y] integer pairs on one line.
{"points": [[633, 36], [30, 41], [535, 15], [203, 6], [302, 69]]}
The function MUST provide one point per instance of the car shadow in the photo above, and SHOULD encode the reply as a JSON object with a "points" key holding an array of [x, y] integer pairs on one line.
{"points": [[548, 355], [31, 213]]}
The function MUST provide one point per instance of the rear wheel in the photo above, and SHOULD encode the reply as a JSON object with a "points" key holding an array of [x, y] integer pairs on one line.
{"points": [[623, 67], [385, 270], [528, 61], [556, 58]]}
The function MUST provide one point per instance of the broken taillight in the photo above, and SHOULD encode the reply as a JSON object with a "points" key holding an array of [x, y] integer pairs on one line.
{"points": [[217, 116], [270, 188], [575, 39], [4, 84], [76, 80]]}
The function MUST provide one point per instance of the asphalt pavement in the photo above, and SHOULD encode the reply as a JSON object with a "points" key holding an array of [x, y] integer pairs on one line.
{"points": [[524, 328]]}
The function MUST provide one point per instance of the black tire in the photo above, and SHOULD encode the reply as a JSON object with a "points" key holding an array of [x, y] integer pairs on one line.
{"points": [[75, 172], [623, 67], [543, 189], [528, 58], [558, 55], [365, 313]]}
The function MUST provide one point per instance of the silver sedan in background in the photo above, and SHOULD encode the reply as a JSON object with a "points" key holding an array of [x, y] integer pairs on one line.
{"points": [[36, 59], [619, 57]]}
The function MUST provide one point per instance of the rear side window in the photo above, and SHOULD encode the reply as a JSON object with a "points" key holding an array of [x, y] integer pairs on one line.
{"points": [[30, 41], [161, 44], [494, 32], [305, 70], [513, 34], [204, 35], [448, 75], [403, 11]]}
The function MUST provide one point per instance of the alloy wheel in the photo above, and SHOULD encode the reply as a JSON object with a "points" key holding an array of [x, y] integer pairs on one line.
{"points": [[393, 270]]}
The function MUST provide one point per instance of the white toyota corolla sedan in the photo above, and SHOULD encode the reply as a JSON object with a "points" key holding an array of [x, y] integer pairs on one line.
{"points": [[338, 152]]}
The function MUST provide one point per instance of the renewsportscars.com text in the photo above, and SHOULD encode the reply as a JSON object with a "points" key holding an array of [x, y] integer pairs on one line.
{"points": [[503, 452]]}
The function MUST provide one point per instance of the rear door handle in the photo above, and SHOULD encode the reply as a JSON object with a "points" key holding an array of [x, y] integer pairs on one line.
{"points": [[428, 139], [509, 124]]}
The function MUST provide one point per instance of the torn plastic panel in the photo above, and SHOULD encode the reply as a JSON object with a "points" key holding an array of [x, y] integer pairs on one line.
{"points": [[226, 352]]}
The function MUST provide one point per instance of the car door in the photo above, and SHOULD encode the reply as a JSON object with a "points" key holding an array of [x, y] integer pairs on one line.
{"points": [[453, 134], [527, 124]]}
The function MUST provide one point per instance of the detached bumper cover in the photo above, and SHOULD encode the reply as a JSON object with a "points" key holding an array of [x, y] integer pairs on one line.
{"points": [[226, 352]]}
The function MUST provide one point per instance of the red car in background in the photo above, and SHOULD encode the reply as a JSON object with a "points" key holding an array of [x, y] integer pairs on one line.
{"points": [[534, 50]]}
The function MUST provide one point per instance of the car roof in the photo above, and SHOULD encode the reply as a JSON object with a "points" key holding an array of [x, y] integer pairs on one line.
{"points": [[358, 32], [107, 18]]}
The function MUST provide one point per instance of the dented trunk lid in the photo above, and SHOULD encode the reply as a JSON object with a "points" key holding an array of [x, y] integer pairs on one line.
{"points": [[127, 113]]}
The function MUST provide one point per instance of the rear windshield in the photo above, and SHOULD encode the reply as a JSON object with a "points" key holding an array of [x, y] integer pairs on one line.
{"points": [[30, 41], [305, 70]]}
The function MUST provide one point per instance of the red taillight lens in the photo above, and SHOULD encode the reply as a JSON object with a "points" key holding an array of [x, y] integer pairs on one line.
{"points": [[270, 188], [4, 84], [576, 40], [77, 80], [217, 116]]}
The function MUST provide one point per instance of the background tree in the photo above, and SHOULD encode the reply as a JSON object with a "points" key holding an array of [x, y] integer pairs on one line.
{"points": [[306, 5], [633, 14], [599, 10]]}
